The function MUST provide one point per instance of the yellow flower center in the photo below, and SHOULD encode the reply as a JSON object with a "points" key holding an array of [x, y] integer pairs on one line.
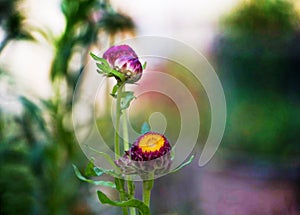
{"points": [[151, 143]]}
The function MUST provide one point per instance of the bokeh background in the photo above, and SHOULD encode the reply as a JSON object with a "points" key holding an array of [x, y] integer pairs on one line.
{"points": [[253, 45]]}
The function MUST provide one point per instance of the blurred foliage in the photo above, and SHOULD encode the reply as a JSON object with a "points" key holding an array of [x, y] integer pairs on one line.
{"points": [[17, 198], [11, 22], [253, 56], [113, 22], [262, 17], [37, 145]]}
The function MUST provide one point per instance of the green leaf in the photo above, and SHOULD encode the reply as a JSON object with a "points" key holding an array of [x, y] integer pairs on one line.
{"points": [[98, 171], [34, 111], [106, 156], [90, 170], [103, 69], [114, 90], [96, 58], [103, 65], [145, 128], [144, 65], [98, 183], [184, 164], [143, 209], [126, 98], [118, 75]]}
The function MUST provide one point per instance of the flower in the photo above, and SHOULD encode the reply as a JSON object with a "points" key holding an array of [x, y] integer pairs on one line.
{"points": [[149, 146], [150, 153], [123, 59]]}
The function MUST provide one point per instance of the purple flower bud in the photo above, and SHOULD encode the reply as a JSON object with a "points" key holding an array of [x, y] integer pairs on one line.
{"points": [[123, 59], [115, 52], [130, 67]]}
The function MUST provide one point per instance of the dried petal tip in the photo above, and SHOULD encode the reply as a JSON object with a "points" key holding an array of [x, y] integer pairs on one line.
{"points": [[149, 146]]}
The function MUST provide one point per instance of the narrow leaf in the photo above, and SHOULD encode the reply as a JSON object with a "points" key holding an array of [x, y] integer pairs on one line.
{"points": [[103, 68], [145, 128], [100, 71], [96, 58], [98, 183], [106, 156], [144, 65], [117, 75], [114, 90], [126, 98], [184, 164], [92, 170], [143, 209]]}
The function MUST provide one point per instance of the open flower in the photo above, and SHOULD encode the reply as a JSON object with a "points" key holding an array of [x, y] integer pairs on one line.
{"points": [[149, 146], [123, 59], [150, 153]]}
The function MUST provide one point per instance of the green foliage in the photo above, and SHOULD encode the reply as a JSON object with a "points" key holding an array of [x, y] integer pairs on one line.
{"points": [[79, 31], [262, 127], [11, 21], [104, 155], [98, 183], [126, 98], [143, 209], [113, 22], [144, 65], [43, 170], [262, 17], [34, 112], [105, 69], [253, 57], [18, 184]]}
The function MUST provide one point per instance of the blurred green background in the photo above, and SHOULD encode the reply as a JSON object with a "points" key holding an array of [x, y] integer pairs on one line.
{"points": [[254, 47]]}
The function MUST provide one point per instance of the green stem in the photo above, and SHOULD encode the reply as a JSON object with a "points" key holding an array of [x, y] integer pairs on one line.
{"points": [[118, 115], [119, 182], [130, 184], [131, 188], [120, 187], [125, 131], [147, 187]]}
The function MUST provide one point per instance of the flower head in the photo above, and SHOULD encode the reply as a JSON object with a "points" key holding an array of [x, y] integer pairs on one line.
{"points": [[150, 153], [149, 146], [115, 52], [123, 59]]}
